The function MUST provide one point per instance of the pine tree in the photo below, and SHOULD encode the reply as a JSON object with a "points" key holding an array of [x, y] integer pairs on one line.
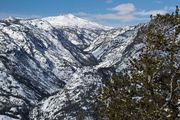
{"points": [[177, 10], [150, 91]]}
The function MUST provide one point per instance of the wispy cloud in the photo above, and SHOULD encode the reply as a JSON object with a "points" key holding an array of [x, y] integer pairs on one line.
{"points": [[5, 15], [109, 1], [125, 13], [150, 12], [158, 1], [123, 9], [110, 16], [121, 12]]}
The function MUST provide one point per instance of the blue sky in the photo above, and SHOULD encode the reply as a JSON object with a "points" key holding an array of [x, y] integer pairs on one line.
{"points": [[107, 12]]}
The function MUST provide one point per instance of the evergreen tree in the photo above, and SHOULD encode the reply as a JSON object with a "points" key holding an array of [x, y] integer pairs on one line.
{"points": [[150, 90], [177, 10]]}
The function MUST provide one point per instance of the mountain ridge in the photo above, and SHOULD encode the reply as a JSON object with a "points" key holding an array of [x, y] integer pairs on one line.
{"points": [[45, 70], [39, 60], [70, 20]]}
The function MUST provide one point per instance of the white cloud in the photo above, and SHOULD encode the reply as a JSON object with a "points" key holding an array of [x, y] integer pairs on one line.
{"points": [[115, 17], [151, 12], [110, 16], [123, 9], [125, 13], [155, 12]]}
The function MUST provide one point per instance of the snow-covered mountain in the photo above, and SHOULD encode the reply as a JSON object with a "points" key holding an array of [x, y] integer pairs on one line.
{"points": [[51, 68], [69, 20]]}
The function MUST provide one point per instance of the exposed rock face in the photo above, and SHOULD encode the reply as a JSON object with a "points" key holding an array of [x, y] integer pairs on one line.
{"points": [[52, 71]]}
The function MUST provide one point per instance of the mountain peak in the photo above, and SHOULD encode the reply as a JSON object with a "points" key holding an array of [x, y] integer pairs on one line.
{"points": [[70, 20], [70, 15], [10, 19]]}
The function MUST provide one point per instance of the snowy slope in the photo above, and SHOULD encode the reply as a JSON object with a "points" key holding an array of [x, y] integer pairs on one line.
{"points": [[41, 58], [77, 97], [109, 46], [36, 60], [51, 68]]}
